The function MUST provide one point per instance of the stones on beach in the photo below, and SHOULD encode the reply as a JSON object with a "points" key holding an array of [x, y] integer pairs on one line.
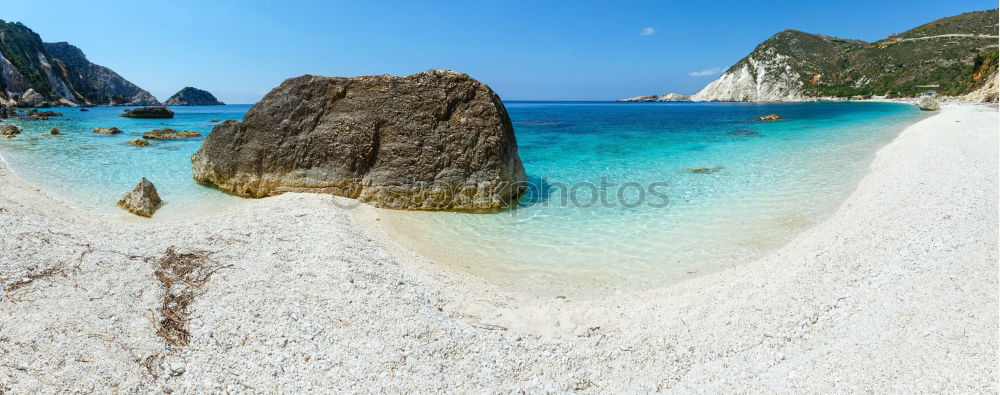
{"points": [[143, 200], [9, 131], [436, 140], [703, 170], [111, 130], [169, 134], [928, 103], [139, 143], [770, 117], [149, 112]]}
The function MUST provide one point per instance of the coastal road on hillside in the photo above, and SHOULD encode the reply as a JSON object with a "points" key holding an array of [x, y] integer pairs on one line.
{"points": [[947, 35]]}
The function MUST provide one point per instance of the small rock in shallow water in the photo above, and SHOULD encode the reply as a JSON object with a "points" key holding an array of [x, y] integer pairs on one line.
{"points": [[770, 117], [138, 143], [704, 170], [143, 200], [111, 130], [744, 132], [169, 134], [54, 131], [7, 130]]}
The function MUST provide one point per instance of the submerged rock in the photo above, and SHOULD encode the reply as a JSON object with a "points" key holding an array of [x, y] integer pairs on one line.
{"points": [[138, 143], [142, 200], [169, 134], [84, 110], [744, 132], [193, 97], [771, 117], [149, 112], [54, 132], [111, 130], [927, 103], [704, 170], [436, 140], [7, 130]]}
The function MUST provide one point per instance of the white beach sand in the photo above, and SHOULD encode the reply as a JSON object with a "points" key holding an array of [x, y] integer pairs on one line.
{"points": [[896, 291]]}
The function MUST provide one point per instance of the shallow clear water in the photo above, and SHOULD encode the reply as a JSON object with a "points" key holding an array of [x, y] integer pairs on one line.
{"points": [[91, 171], [765, 182], [762, 182]]}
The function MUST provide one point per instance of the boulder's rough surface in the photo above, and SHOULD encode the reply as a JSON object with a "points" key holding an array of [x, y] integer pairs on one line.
{"points": [[7, 130], [149, 112], [142, 200], [139, 143], [928, 103], [436, 140], [169, 134], [193, 97], [111, 130]]}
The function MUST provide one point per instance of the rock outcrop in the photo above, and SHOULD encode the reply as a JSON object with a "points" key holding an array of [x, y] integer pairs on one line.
{"points": [[7, 130], [769, 117], [675, 97], [58, 73], [193, 97], [436, 140], [148, 112], [143, 200], [139, 143], [30, 98], [169, 134], [641, 99], [927, 103]]}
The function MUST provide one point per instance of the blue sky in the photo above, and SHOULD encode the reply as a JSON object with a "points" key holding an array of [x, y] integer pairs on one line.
{"points": [[525, 50]]}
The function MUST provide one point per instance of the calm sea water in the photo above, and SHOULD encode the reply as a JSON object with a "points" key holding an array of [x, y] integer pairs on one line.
{"points": [[92, 171], [760, 183]]}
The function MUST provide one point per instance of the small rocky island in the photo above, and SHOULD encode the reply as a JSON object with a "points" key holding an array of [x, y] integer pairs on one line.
{"points": [[436, 140], [193, 97]]}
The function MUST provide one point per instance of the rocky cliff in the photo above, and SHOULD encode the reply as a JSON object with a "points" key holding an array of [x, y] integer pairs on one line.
{"points": [[193, 97], [437, 140], [33, 73], [951, 56]]}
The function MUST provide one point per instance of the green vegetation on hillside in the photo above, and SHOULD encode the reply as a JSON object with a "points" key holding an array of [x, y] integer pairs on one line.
{"points": [[908, 64], [21, 47]]}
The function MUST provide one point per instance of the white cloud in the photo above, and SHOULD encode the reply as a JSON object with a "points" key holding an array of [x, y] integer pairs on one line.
{"points": [[706, 72], [647, 31]]}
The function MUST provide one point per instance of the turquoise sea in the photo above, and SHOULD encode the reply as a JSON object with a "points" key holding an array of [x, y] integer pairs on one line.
{"points": [[661, 218]]}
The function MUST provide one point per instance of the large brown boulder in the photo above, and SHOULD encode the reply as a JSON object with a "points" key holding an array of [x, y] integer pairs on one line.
{"points": [[437, 140]]}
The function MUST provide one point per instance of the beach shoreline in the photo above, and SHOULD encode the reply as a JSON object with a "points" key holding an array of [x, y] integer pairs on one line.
{"points": [[901, 280]]}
